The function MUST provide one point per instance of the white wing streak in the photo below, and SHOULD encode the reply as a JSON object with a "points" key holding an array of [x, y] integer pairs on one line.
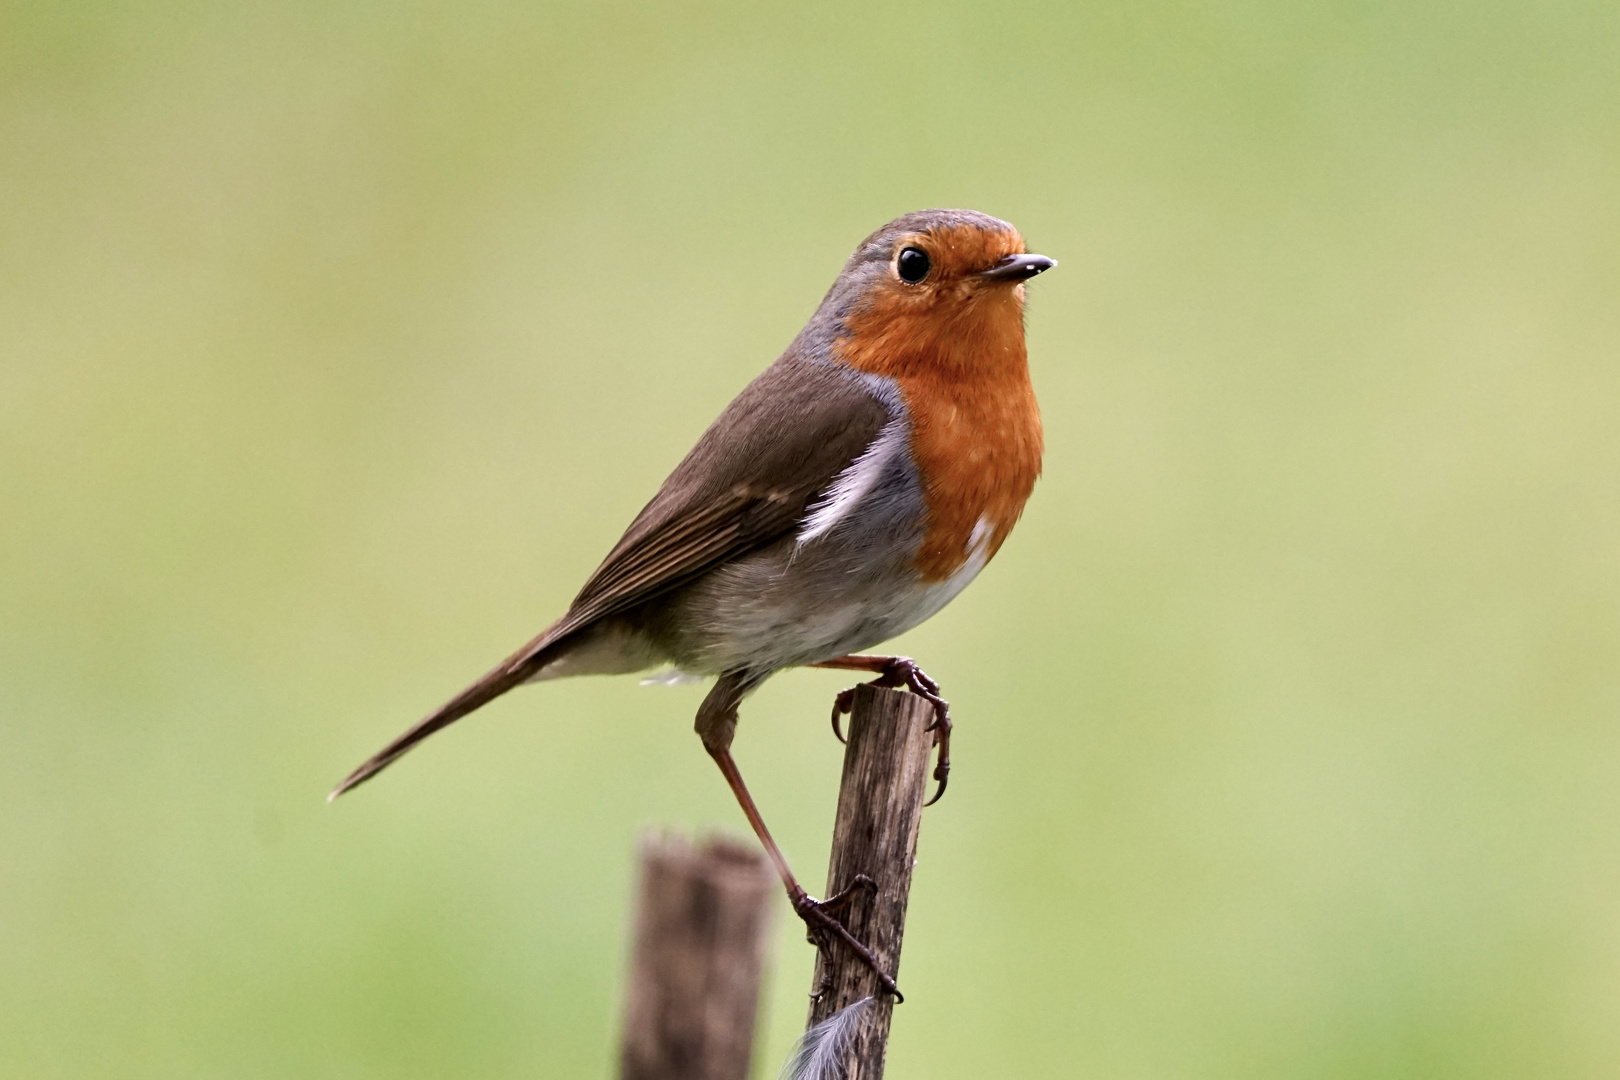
{"points": [[855, 482]]}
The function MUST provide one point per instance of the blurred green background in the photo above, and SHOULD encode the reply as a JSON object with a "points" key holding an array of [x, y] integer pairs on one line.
{"points": [[338, 342]]}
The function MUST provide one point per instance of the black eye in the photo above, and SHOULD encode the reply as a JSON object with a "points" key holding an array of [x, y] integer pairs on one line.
{"points": [[913, 265]]}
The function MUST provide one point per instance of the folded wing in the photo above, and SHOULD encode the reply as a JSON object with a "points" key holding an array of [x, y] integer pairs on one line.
{"points": [[747, 482]]}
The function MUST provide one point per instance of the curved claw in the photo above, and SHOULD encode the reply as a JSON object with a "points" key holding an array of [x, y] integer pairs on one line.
{"points": [[843, 703], [942, 769], [920, 684]]}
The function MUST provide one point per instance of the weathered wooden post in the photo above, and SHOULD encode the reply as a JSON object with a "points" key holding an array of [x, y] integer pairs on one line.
{"points": [[879, 811], [695, 967]]}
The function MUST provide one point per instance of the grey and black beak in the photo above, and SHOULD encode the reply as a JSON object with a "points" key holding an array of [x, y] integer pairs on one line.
{"points": [[1017, 268]]}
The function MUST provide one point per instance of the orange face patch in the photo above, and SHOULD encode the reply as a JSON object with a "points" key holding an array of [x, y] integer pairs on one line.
{"points": [[954, 344]]}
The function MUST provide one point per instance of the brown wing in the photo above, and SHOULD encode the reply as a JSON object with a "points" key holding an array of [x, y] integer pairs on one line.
{"points": [[747, 482]]}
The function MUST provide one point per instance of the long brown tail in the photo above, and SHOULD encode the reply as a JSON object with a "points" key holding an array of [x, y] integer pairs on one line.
{"points": [[512, 671]]}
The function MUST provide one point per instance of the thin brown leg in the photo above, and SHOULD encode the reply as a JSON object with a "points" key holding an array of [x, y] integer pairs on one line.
{"points": [[817, 914], [717, 720], [896, 671]]}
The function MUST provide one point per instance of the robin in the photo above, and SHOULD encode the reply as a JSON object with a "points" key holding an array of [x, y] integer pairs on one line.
{"points": [[847, 494]]}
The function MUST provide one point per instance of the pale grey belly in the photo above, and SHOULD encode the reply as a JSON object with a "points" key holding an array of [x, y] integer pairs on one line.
{"points": [[787, 606], [761, 614], [766, 611], [783, 607]]}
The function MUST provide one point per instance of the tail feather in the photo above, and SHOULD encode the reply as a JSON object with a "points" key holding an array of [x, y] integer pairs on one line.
{"points": [[821, 1052], [513, 671]]}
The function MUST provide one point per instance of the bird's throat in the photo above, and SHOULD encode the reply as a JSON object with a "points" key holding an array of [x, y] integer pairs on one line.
{"points": [[975, 428]]}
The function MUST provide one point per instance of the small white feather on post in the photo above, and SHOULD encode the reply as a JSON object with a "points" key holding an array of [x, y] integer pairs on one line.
{"points": [[820, 1052]]}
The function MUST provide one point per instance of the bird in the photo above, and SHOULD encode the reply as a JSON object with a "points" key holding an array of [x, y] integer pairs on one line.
{"points": [[848, 493]]}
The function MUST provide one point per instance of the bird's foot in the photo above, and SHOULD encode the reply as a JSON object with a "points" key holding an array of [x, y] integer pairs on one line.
{"points": [[822, 923], [895, 672]]}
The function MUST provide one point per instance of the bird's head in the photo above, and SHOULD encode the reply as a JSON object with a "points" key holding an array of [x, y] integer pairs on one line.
{"points": [[941, 288]]}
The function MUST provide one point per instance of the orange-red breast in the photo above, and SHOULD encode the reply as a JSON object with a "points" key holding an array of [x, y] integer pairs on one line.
{"points": [[848, 493]]}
